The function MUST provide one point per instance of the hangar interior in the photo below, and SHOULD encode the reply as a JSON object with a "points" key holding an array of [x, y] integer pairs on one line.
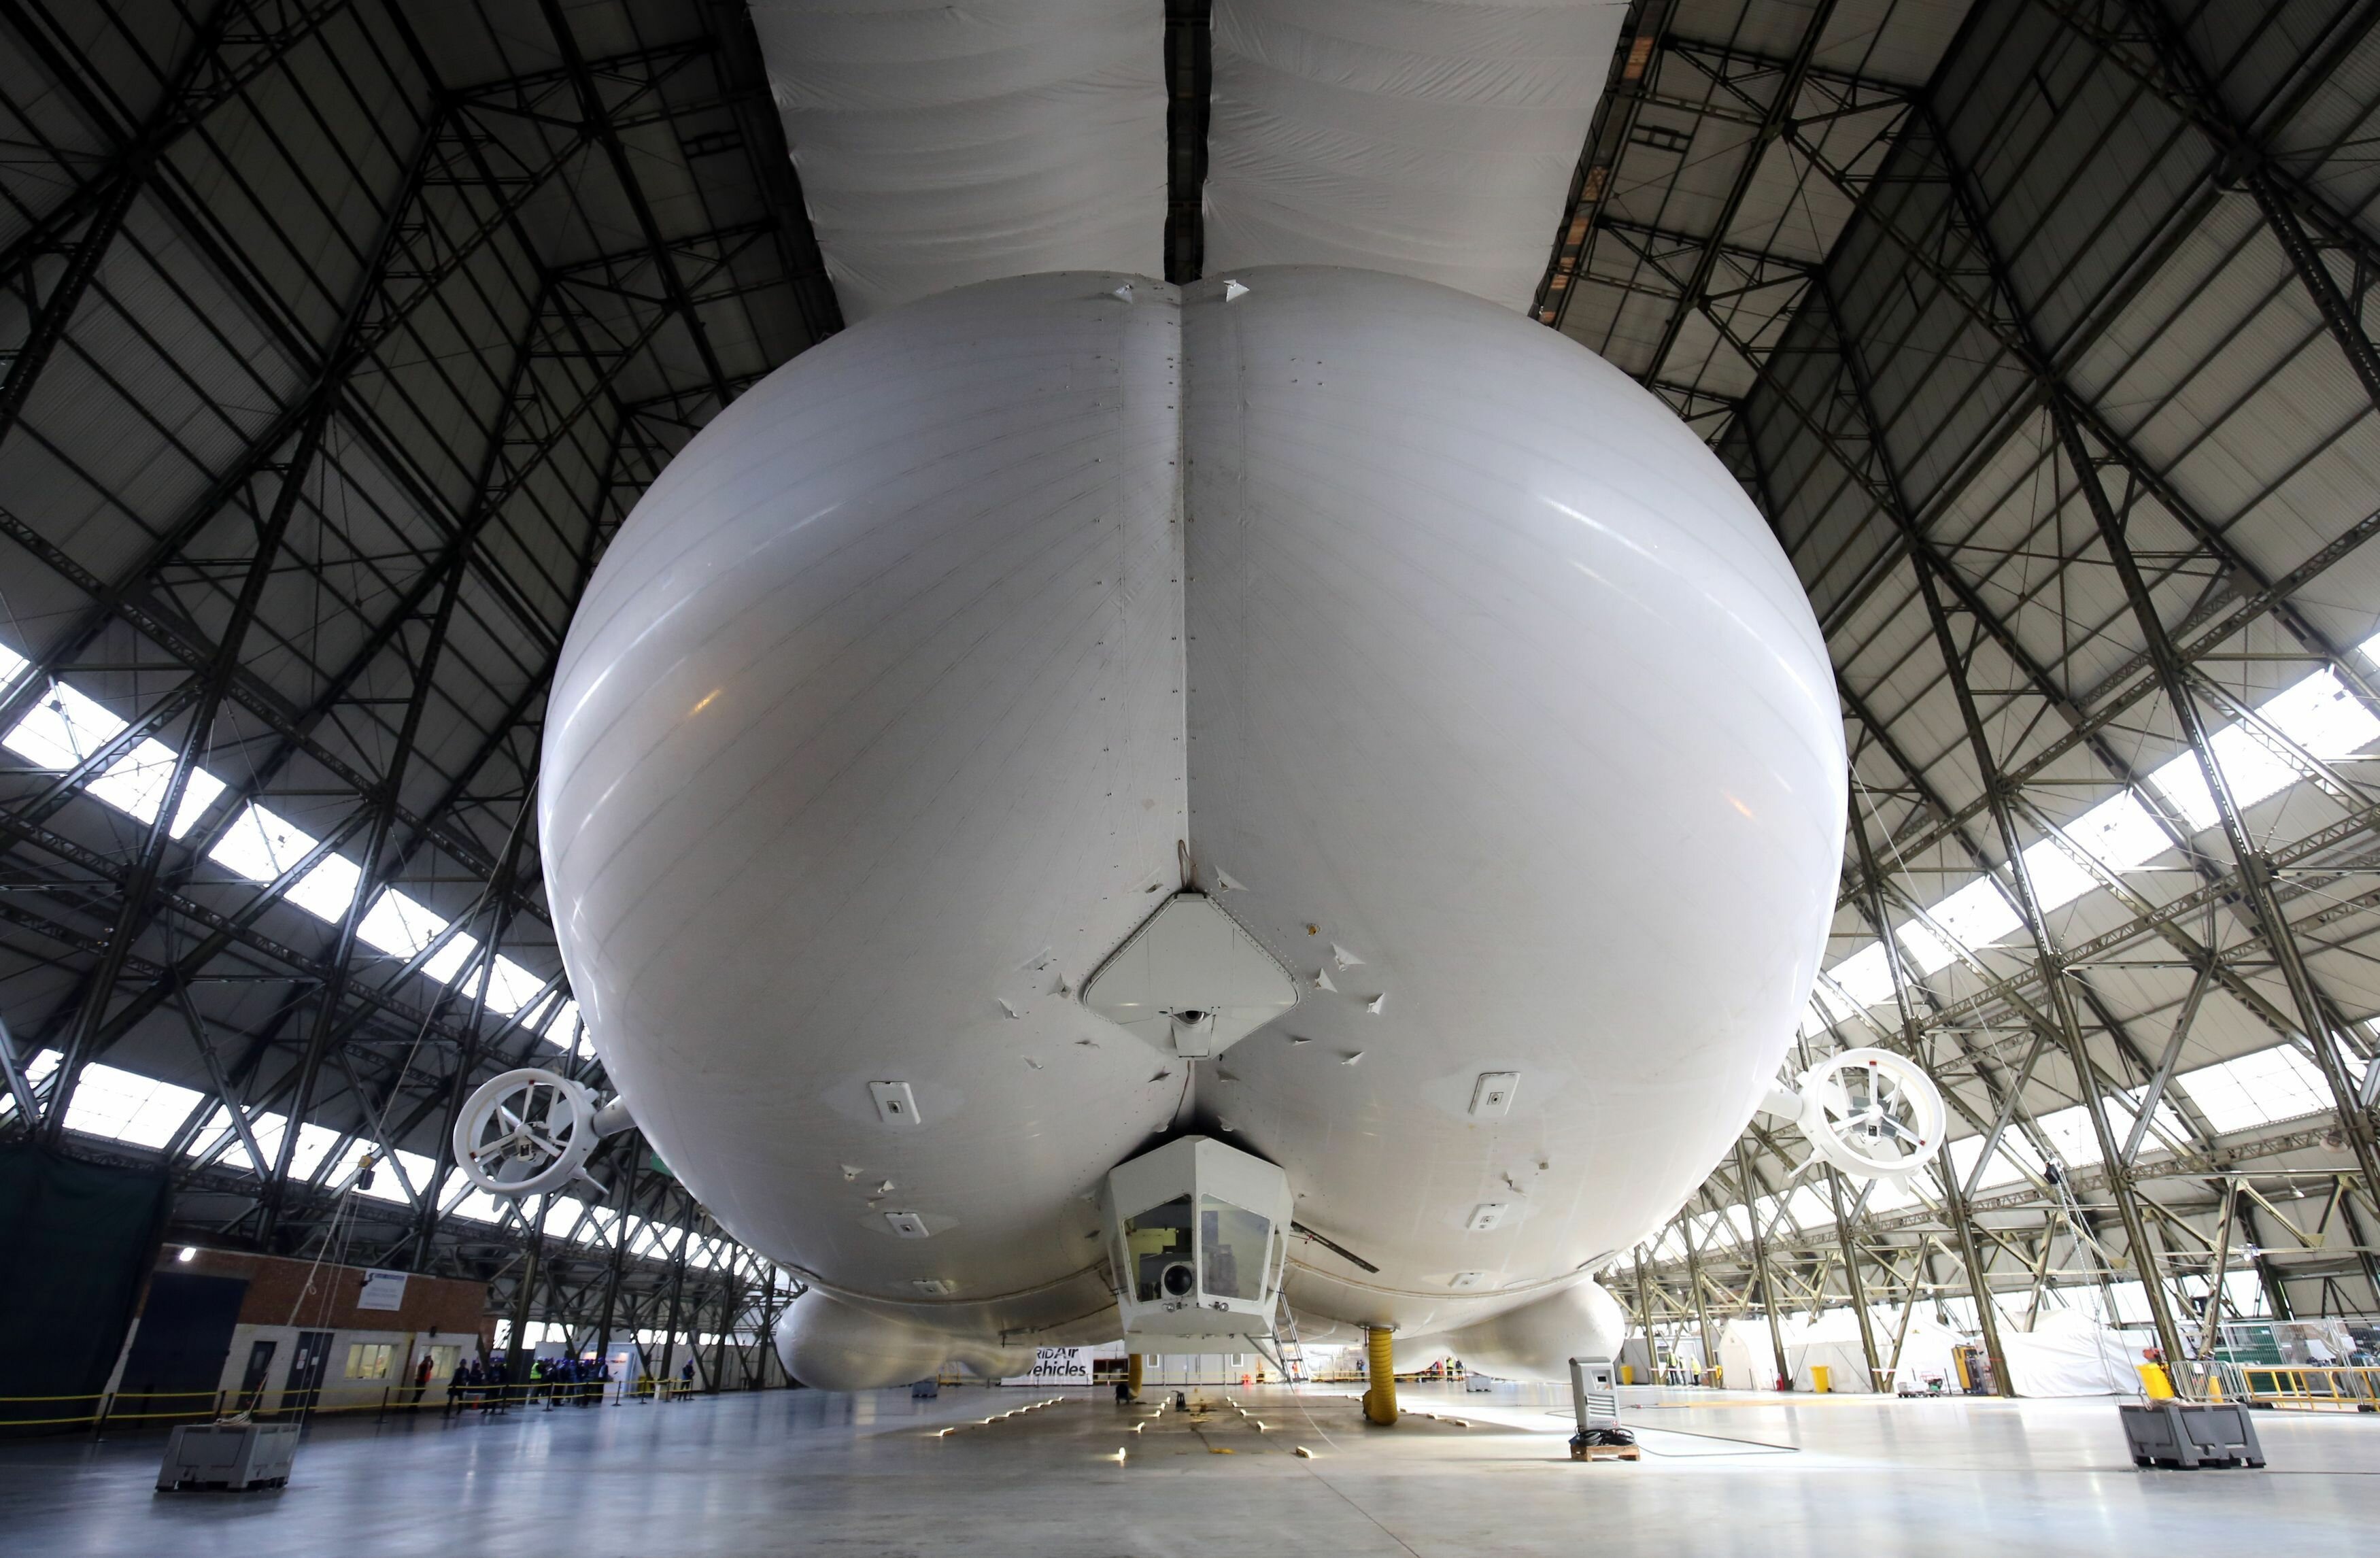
{"points": [[340, 337]]}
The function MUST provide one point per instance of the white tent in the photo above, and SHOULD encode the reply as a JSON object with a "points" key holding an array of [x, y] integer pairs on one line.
{"points": [[1926, 1345], [2070, 1352], [1746, 1361], [1840, 1357], [1832, 1342]]}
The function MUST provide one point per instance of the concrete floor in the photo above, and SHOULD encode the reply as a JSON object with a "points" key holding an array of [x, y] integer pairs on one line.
{"points": [[814, 1473]]}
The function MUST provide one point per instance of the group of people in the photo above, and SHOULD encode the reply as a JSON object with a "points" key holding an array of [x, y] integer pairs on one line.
{"points": [[479, 1385], [558, 1380]]}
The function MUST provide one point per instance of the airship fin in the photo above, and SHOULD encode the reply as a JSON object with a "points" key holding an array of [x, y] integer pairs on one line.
{"points": [[1191, 980], [1344, 958]]}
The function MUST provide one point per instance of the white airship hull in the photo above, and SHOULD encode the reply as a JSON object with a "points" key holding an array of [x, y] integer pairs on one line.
{"points": [[1443, 658]]}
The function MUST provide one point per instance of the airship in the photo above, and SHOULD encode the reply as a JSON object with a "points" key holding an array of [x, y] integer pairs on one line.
{"points": [[1300, 803]]}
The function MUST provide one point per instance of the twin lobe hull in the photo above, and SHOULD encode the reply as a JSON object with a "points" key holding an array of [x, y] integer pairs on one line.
{"points": [[1439, 655]]}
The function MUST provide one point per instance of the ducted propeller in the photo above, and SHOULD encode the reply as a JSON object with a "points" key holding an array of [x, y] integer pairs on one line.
{"points": [[1869, 1112], [529, 1131]]}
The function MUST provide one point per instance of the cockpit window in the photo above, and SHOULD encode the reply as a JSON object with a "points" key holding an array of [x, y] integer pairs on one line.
{"points": [[1233, 1246], [1157, 1244]]}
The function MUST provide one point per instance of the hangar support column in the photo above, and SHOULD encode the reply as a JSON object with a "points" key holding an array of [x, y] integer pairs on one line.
{"points": [[676, 1301], [612, 1287], [518, 1353], [2068, 1027], [1644, 1316], [1853, 1282], [1954, 1198], [1694, 1291], [1784, 1380], [2063, 1025]]}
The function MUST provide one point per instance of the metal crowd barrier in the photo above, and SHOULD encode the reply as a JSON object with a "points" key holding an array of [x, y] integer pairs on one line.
{"points": [[98, 1409], [2305, 1387]]}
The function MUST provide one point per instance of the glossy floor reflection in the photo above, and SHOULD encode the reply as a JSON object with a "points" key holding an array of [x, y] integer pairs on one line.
{"points": [[810, 1472]]}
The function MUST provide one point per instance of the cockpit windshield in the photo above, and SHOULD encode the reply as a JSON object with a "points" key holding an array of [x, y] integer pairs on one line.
{"points": [[1233, 1246], [1157, 1244]]}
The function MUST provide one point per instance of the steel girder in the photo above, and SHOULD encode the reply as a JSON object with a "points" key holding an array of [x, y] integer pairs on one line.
{"points": [[2263, 910], [424, 470]]}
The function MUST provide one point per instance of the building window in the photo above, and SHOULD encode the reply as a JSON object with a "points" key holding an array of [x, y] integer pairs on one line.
{"points": [[369, 1361]]}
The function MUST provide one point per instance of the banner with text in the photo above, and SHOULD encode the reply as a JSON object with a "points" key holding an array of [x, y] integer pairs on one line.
{"points": [[1057, 1366]]}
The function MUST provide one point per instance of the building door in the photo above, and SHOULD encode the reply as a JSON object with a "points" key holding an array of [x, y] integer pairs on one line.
{"points": [[259, 1368], [177, 1363], [305, 1385]]}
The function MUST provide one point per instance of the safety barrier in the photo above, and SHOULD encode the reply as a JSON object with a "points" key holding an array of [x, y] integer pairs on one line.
{"points": [[98, 1409], [2306, 1387]]}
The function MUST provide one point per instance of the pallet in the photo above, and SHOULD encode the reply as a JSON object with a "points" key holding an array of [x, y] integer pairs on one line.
{"points": [[1606, 1452]]}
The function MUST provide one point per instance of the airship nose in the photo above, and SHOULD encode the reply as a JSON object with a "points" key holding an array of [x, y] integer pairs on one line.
{"points": [[1009, 613]]}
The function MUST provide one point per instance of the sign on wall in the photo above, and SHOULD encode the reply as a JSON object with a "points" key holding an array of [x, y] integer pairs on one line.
{"points": [[1057, 1366], [383, 1290]]}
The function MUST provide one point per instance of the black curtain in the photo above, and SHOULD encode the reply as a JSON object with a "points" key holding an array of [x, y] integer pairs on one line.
{"points": [[75, 1240], [178, 1355]]}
